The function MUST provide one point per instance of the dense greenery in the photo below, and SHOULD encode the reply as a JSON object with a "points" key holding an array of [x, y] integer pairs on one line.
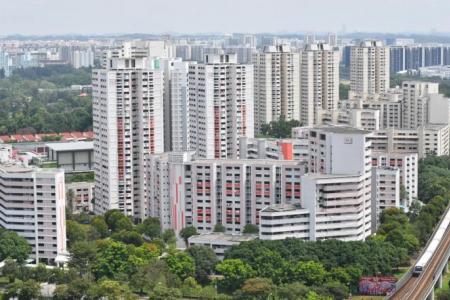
{"points": [[280, 129], [13, 246], [80, 177], [38, 100], [112, 257]]}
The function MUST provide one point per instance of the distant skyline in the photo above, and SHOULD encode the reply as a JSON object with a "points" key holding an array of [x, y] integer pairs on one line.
{"points": [[58, 17]]}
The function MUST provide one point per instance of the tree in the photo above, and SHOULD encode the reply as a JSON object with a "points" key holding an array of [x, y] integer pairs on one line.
{"points": [[75, 232], [181, 264], [292, 291], [335, 289], [111, 290], [83, 257], [128, 237], [340, 274], [13, 246], [219, 227], [99, 224], [187, 232], [151, 227], [11, 269], [443, 295], [70, 196], [310, 272], [279, 129], [169, 236], [250, 229], [205, 262], [115, 258], [117, 221], [235, 272], [27, 290], [148, 276], [401, 239], [257, 288], [40, 273], [161, 292]]}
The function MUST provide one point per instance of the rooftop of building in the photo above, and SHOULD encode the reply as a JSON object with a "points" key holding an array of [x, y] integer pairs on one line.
{"points": [[14, 167], [435, 126], [264, 161], [64, 136], [71, 146], [222, 237], [341, 129], [329, 176], [282, 207]]}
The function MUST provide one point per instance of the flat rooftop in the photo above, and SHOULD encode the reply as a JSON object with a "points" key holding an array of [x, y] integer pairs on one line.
{"points": [[341, 129], [222, 237], [282, 207], [71, 146]]}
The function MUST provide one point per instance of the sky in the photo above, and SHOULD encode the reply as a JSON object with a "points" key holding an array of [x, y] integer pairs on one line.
{"points": [[41, 17]]}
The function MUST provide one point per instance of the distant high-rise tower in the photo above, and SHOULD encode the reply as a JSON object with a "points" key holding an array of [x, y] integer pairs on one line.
{"points": [[319, 81], [332, 39], [309, 39], [369, 68], [220, 106], [276, 85], [128, 124]]}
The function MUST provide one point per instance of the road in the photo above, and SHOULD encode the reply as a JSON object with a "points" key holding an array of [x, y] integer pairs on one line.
{"points": [[416, 287]]}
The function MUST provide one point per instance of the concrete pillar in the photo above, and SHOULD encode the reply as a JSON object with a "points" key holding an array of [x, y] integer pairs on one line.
{"points": [[431, 295], [438, 284]]}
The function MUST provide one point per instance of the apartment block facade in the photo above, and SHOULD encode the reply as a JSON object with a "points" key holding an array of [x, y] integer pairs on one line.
{"points": [[220, 106], [33, 205], [128, 123], [276, 80], [369, 68], [319, 81]]}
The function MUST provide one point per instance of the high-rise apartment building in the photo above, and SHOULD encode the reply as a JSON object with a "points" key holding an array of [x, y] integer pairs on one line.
{"points": [[128, 123], [338, 185], [319, 81], [220, 106], [369, 68], [176, 103], [277, 90], [415, 104]]}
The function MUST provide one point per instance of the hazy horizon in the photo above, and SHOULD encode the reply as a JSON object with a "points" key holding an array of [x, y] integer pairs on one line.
{"points": [[101, 17]]}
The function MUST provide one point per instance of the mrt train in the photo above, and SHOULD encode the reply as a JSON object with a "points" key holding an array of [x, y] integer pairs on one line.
{"points": [[432, 246]]}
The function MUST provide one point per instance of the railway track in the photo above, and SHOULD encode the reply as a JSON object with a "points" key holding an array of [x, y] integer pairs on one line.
{"points": [[417, 287]]}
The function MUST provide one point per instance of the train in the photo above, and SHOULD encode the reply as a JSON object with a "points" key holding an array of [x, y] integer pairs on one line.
{"points": [[432, 246]]}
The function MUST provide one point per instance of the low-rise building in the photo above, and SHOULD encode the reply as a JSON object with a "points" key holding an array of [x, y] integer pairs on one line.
{"points": [[281, 221], [79, 196], [219, 242], [408, 165], [33, 205], [72, 156]]}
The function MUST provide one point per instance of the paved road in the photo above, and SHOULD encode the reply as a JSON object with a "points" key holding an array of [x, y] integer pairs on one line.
{"points": [[416, 287]]}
